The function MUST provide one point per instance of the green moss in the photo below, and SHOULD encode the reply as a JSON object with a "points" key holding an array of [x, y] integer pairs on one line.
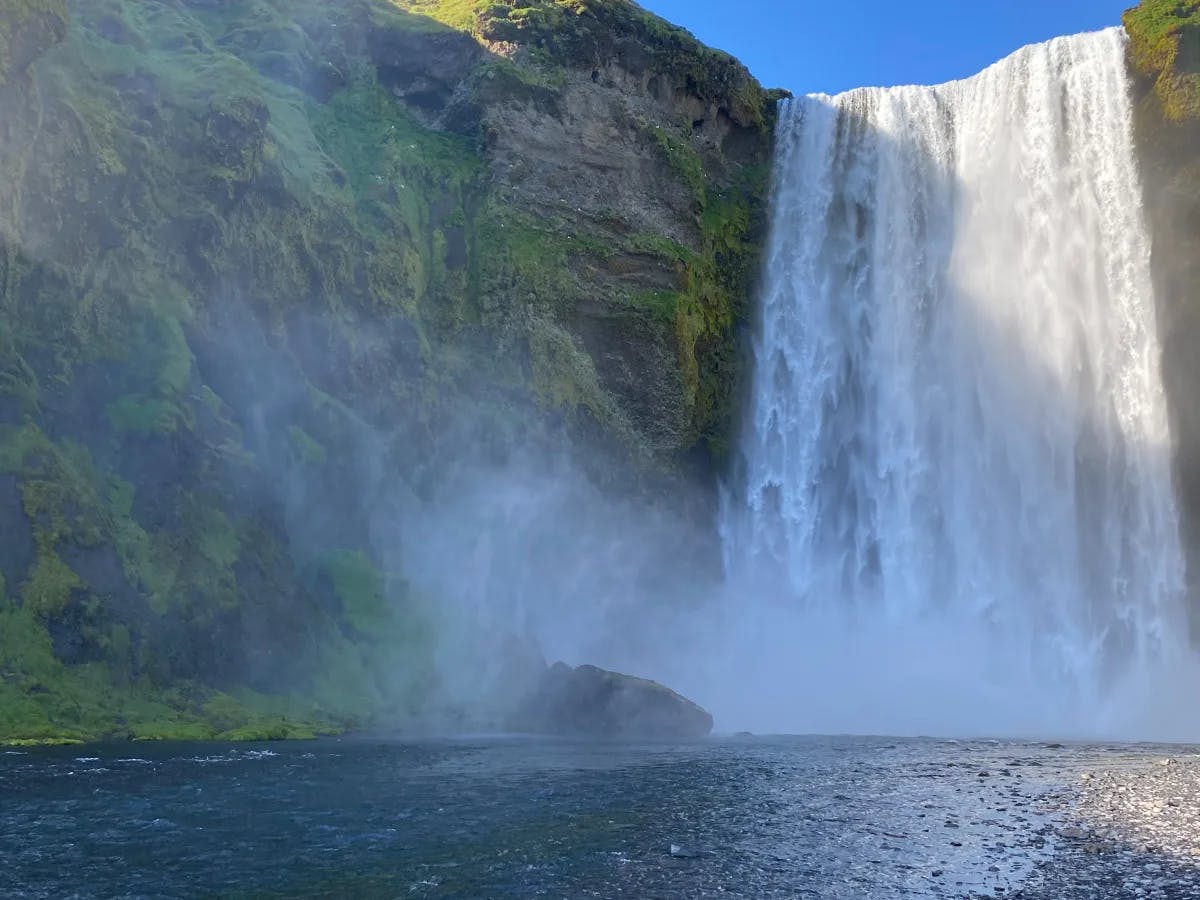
{"points": [[714, 283], [535, 261], [269, 731], [53, 741], [523, 82], [683, 160], [139, 414], [219, 542], [459, 14], [576, 33], [43, 701], [48, 589], [396, 173], [360, 589], [171, 730], [148, 564], [16, 445], [308, 449], [251, 717], [381, 666], [659, 245], [564, 377], [662, 305], [176, 161], [1165, 46]]}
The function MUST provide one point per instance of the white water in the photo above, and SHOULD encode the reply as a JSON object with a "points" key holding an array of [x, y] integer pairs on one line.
{"points": [[956, 511]]}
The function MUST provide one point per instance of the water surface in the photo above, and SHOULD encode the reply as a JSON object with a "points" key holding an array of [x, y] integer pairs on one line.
{"points": [[740, 816]]}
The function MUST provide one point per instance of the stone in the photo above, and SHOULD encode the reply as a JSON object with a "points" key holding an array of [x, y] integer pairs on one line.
{"points": [[596, 702]]}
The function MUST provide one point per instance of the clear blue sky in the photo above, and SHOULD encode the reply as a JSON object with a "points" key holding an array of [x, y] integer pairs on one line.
{"points": [[834, 45]]}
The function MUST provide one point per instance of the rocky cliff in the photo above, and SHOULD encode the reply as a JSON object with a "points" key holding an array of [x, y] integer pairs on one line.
{"points": [[1164, 56], [261, 259]]}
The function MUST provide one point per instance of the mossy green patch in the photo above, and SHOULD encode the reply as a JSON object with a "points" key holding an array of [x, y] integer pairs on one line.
{"points": [[48, 589], [715, 281], [359, 588], [177, 177], [140, 414], [564, 375], [1165, 46], [459, 14], [308, 449], [43, 701], [575, 33]]}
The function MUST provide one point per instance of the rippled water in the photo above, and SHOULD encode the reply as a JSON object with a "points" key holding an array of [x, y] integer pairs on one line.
{"points": [[795, 817]]}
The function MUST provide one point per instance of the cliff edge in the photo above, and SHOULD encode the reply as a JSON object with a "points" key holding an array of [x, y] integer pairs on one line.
{"points": [[1164, 57], [262, 259]]}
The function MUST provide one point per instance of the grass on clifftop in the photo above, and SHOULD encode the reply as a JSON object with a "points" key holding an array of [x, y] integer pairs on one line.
{"points": [[1165, 44], [575, 33]]}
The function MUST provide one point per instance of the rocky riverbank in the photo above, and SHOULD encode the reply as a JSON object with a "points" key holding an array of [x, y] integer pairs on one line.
{"points": [[1132, 829]]}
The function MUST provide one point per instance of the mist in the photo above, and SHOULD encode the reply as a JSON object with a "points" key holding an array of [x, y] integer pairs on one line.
{"points": [[947, 508], [1061, 616]]}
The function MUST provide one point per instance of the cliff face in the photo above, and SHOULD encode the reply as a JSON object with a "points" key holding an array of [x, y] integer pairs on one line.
{"points": [[260, 259], [1164, 55], [28, 28]]}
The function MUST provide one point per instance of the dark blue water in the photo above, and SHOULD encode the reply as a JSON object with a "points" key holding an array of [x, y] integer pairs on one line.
{"points": [[755, 817]]}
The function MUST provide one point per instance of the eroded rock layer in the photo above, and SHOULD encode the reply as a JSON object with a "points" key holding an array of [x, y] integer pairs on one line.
{"points": [[260, 259]]}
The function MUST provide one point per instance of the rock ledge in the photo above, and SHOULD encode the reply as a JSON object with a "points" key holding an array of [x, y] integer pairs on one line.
{"points": [[591, 701]]}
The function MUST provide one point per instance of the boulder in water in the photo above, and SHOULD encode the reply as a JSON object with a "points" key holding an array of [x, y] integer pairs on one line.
{"points": [[591, 701]]}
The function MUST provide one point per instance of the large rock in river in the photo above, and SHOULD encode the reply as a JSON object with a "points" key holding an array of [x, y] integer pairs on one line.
{"points": [[593, 701]]}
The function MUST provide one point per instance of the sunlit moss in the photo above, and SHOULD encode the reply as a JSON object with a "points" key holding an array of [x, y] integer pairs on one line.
{"points": [[170, 162], [1165, 45]]}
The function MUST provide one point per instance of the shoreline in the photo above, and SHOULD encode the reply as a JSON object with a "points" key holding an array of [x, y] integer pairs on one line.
{"points": [[1132, 830]]}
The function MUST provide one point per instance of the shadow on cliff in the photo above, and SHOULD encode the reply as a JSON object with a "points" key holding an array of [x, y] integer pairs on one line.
{"points": [[225, 371]]}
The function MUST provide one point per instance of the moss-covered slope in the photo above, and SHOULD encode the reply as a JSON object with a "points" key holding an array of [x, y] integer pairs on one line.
{"points": [[28, 27], [255, 255], [1165, 49]]}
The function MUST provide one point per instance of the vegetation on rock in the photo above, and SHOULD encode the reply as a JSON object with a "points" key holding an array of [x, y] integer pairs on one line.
{"points": [[249, 250], [1165, 46], [1164, 56]]}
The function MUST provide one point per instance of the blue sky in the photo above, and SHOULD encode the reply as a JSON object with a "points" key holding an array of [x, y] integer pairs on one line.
{"points": [[833, 45]]}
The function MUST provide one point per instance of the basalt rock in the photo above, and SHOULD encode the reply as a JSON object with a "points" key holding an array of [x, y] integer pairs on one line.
{"points": [[594, 702]]}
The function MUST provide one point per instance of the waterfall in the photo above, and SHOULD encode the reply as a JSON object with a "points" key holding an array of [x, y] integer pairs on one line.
{"points": [[954, 508]]}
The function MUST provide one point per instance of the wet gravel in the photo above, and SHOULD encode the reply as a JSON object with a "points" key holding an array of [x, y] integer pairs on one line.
{"points": [[1130, 829]]}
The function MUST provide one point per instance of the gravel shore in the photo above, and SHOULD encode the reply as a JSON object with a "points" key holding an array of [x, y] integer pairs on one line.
{"points": [[1129, 830]]}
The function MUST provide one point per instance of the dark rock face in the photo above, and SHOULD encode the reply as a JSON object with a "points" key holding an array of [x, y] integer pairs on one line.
{"points": [[266, 262], [1164, 60], [595, 702]]}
